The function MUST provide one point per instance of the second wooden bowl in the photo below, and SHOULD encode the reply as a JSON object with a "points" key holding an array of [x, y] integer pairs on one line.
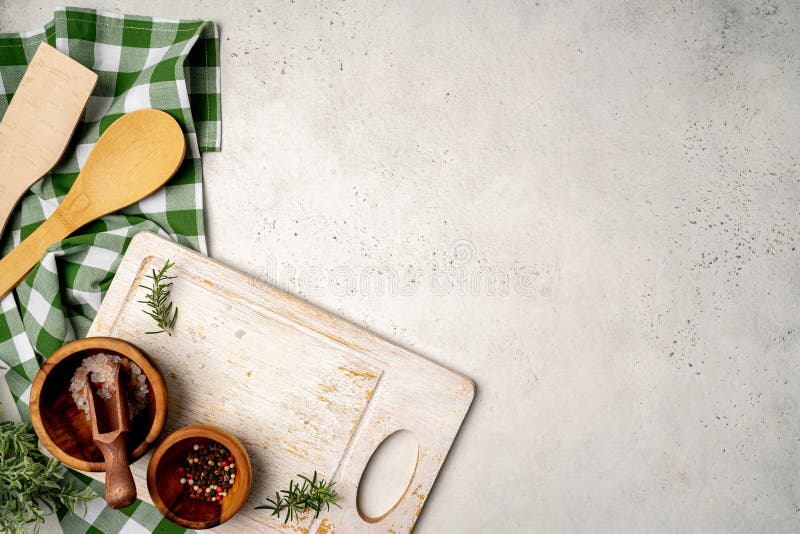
{"points": [[64, 429], [169, 495]]}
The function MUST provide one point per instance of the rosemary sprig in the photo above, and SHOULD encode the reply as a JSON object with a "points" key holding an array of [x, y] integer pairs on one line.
{"points": [[313, 493], [158, 300], [33, 486]]}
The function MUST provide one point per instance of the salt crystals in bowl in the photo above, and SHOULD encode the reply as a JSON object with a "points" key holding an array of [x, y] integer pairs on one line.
{"points": [[100, 367]]}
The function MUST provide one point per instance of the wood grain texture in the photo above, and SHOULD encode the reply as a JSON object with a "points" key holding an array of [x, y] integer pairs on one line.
{"points": [[303, 389], [64, 429], [110, 429], [135, 156], [168, 494], [37, 126]]}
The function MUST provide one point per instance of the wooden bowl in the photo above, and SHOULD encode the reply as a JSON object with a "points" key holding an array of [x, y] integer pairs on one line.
{"points": [[63, 428], [169, 495]]}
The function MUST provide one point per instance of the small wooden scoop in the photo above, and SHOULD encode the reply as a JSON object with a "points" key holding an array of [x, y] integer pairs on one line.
{"points": [[110, 428], [133, 158], [39, 122]]}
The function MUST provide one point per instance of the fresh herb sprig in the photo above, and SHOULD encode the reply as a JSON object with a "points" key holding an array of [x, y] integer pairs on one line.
{"points": [[158, 301], [33, 484], [310, 494]]}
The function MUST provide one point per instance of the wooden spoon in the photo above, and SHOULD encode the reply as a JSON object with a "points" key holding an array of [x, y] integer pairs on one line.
{"points": [[39, 122], [136, 155], [110, 428]]}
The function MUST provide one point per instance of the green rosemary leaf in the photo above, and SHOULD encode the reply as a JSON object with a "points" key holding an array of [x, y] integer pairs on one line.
{"points": [[36, 482], [314, 494], [158, 301]]}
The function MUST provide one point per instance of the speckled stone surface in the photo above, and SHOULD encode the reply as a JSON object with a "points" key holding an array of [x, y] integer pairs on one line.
{"points": [[591, 208]]}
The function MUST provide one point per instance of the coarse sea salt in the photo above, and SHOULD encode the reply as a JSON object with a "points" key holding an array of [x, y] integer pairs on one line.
{"points": [[100, 367]]}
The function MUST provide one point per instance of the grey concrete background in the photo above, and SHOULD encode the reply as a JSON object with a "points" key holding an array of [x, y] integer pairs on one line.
{"points": [[629, 169]]}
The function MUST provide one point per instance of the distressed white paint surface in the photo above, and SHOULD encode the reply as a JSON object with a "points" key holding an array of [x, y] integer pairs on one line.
{"points": [[302, 389], [640, 155]]}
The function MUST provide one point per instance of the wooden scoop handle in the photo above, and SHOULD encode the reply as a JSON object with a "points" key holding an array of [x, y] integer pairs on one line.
{"points": [[120, 488], [110, 428]]}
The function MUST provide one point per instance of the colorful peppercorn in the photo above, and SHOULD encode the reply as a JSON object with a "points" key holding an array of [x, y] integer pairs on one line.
{"points": [[209, 472]]}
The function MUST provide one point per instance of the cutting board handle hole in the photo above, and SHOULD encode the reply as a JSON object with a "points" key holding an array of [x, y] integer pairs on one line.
{"points": [[387, 476]]}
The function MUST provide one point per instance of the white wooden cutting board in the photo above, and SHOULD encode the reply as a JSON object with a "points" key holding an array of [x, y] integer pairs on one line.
{"points": [[303, 389]]}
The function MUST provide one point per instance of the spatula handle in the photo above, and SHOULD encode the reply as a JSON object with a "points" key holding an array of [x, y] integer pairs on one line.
{"points": [[120, 488], [21, 259], [7, 204], [14, 181]]}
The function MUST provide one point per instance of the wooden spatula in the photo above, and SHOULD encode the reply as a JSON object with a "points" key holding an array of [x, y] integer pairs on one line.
{"points": [[133, 158], [39, 122], [110, 428]]}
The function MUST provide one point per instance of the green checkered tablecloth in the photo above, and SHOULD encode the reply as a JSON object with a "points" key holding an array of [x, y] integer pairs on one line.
{"points": [[141, 62]]}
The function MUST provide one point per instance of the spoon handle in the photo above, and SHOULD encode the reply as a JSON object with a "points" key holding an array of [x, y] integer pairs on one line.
{"points": [[16, 264]]}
